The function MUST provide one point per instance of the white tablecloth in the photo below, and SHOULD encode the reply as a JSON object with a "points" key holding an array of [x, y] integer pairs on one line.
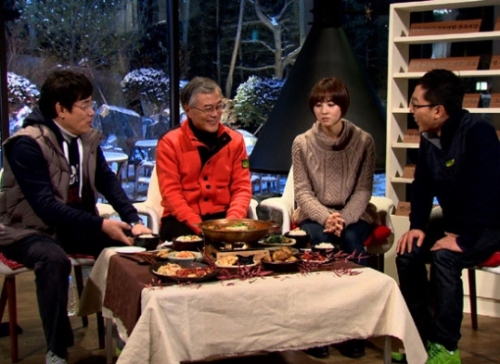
{"points": [[291, 312]]}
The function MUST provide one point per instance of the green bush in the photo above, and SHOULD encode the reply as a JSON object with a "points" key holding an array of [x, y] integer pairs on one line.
{"points": [[255, 99]]}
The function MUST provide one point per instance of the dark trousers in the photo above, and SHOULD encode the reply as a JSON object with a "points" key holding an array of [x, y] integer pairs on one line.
{"points": [[52, 268], [351, 240], [172, 228], [436, 304]]}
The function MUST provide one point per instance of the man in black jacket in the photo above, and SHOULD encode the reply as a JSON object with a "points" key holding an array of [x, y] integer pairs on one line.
{"points": [[53, 171], [459, 164]]}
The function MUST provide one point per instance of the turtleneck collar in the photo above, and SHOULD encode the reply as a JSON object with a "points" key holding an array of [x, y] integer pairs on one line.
{"points": [[326, 142], [209, 139], [65, 134]]}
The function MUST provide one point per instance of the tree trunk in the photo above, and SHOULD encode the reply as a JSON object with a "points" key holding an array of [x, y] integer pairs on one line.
{"points": [[229, 81], [185, 24]]}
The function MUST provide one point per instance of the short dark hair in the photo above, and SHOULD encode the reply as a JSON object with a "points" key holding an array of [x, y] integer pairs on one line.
{"points": [[198, 85], [443, 87], [330, 89], [65, 87]]}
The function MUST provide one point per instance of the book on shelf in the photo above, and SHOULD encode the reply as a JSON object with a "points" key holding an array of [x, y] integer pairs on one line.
{"points": [[495, 63], [403, 208], [471, 100], [411, 136], [495, 100], [497, 24], [445, 27], [451, 63], [409, 171]]}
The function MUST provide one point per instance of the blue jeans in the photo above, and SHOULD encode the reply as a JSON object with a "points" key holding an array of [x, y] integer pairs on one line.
{"points": [[436, 304], [351, 240]]}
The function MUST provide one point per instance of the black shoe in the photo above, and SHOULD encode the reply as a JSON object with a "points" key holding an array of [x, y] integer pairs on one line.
{"points": [[319, 352], [352, 348]]}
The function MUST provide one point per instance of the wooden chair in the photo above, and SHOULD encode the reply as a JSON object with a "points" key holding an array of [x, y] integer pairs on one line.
{"points": [[376, 245], [492, 265], [8, 298]]}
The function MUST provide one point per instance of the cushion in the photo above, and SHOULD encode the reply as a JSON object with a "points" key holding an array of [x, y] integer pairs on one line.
{"points": [[13, 265], [493, 261], [379, 235]]}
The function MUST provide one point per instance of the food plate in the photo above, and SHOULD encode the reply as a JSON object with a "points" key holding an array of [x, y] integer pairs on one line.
{"points": [[162, 254], [235, 266], [241, 261], [128, 249], [277, 240], [181, 279], [271, 249], [235, 261], [175, 258], [313, 257]]}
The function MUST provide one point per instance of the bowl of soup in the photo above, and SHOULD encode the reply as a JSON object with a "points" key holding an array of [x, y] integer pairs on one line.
{"points": [[148, 241], [236, 230], [188, 242]]}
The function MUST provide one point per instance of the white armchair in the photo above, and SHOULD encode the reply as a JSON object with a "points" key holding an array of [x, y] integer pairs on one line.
{"points": [[374, 246], [152, 207]]}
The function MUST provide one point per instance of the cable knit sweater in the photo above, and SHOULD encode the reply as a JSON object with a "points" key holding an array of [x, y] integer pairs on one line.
{"points": [[334, 176]]}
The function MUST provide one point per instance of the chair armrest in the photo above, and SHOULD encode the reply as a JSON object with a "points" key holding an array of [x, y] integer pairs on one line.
{"points": [[153, 220], [105, 210], [252, 209], [278, 204]]}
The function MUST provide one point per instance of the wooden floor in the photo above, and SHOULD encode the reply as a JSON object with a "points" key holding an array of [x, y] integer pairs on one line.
{"points": [[476, 347]]}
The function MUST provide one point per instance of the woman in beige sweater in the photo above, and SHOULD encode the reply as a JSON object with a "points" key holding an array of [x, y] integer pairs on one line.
{"points": [[333, 166]]}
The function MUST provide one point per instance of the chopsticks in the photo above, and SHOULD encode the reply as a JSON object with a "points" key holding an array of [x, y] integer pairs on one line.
{"points": [[144, 259], [147, 257]]}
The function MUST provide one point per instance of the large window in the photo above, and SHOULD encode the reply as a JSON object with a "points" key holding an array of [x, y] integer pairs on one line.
{"points": [[248, 47]]}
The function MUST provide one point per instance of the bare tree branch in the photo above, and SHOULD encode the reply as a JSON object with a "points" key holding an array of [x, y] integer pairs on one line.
{"points": [[229, 81]]}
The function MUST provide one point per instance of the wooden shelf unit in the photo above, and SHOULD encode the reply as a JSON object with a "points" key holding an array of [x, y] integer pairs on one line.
{"points": [[398, 91]]}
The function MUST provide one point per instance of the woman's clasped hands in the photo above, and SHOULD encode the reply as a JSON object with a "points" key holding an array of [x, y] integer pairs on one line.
{"points": [[334, 224]]}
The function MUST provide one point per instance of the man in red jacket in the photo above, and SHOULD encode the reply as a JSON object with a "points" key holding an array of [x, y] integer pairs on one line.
{"points": [[202, 166]]}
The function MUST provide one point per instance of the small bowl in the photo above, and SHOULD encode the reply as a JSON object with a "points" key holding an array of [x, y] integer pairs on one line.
{"points": [[185, 261], [281, 267], [324, 249], [302, 240], [195, 244], [148, 241]]}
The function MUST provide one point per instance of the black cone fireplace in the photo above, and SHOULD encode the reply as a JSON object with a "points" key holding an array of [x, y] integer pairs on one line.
{"points": [[325, 53]]}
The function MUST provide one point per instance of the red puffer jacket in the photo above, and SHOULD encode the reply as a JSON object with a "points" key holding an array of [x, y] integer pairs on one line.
{"points": [[189, 190]]}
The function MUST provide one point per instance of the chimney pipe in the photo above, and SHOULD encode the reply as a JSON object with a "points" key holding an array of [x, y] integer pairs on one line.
{"points": [[326, 53]]}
